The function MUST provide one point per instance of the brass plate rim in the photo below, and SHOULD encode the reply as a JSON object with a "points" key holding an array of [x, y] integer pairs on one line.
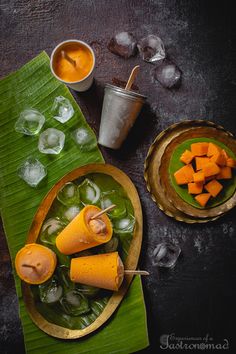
{"points": [[131, 261], [184, 124]]}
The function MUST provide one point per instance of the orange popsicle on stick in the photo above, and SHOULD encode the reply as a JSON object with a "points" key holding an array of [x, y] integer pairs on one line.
{"points": [[104, 271], [85, 231], [35, 263]]}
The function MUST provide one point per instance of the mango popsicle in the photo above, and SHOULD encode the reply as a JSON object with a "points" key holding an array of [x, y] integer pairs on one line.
{"points": [[35, 263], [83, 233], [104, 271]]}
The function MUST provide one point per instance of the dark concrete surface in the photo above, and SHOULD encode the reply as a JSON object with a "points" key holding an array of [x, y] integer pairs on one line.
{"points": [[197, 297]]}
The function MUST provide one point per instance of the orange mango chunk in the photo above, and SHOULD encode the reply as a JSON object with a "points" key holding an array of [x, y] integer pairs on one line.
{"points": [[210, 169], [231, 162], [219, 158], [198, 177], [225, 154], [213, 149], [199, 149], [213, 187], [195, 188], [203, 198], [184, 175], [201, 161], [186, 157], [225, 173], [210, 178]]}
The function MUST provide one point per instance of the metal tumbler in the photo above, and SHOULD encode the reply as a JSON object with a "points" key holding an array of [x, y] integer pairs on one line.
{"points": [[119, 112]]}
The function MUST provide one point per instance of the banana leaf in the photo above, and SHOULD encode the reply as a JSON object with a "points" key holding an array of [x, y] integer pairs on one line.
{"points": [[33, 86]]}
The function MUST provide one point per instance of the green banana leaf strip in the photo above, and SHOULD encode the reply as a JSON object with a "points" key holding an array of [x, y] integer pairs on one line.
{"points": [[33, 86], [175, 164]]}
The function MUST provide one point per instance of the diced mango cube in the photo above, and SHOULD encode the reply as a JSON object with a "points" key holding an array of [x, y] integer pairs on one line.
{"points": [[231, 162], [218, 158], [201, 161], [199, 177], [225, 173], [186, 157], [213, 187], [225, 154], [210, 169], [199, 149], [213, 149], [195, 188], [184, 175], [210, 178], [203, 198]]}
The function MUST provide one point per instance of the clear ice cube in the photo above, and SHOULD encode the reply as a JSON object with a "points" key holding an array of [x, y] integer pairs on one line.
{"points": [[51, 141], [166, 254], [71, 212], [50, 291], [62, 109], [85, 139], [50, 230], [151, 49], [69, 194], [168, 74], [112, 197], [29, 122], [89, 192], [124, 225], [123, 44], [32, 171]]}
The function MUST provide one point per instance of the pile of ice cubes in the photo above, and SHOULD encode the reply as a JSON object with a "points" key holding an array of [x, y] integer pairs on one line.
{"points": [[51, 140], [152, 50]]}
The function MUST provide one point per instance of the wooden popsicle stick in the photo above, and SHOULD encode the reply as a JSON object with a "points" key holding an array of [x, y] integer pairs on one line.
{"points": [[132, 77], [68, 58], [103, 211], [29, 266], [140, 272]]}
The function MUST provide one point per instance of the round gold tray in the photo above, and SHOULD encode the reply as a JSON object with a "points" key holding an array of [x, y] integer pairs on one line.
{"points": [[156, 167], [130, 263]]}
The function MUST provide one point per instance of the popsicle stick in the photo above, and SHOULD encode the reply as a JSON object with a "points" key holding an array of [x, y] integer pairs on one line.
{"points": [[103, 212], [30, 266], [68, 58], [132, 77], [140, 272]]}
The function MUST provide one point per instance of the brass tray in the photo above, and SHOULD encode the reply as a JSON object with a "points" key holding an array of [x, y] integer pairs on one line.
{"points": [[153, 163], [170, 192], [130, 263]]}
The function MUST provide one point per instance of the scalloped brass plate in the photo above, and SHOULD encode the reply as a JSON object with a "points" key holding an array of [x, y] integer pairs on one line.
{"points": [[130, 263], [153, 163]]}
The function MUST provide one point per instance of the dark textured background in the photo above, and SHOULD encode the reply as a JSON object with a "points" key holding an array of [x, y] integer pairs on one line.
{"points": [[197, 296]]}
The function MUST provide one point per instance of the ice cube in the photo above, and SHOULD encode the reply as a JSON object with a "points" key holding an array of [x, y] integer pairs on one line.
{"points": [[166, 254], [168, 74], [85, 139], [124, 225], [50, 230], [51, 141], [123, 44], [68, 194], [62, 109], [89, 192], [151, 48], [112, 197], [71, 212], [29, 122], [32, 171]]}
